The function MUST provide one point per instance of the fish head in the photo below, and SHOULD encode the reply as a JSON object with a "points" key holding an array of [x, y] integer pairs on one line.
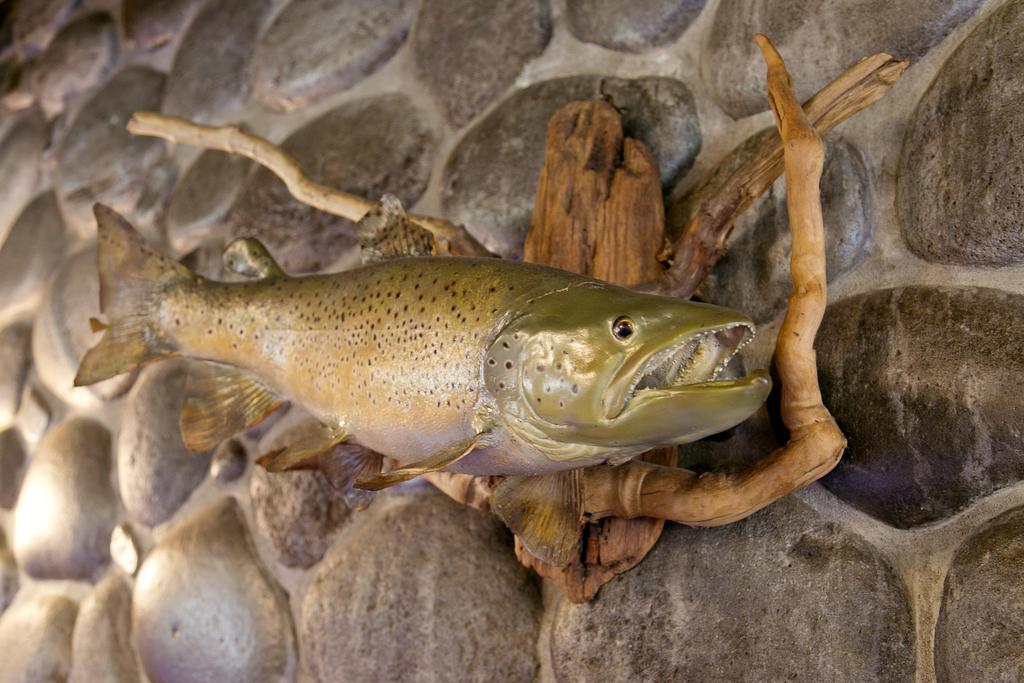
{"points": [[599, 365]]}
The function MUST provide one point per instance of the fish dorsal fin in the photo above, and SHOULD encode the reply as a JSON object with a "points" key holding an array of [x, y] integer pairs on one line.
{"points": [[443, 458], [305, 451], [221, 401], [247, 256], [545, 512], [346, 462], [386, 232]]}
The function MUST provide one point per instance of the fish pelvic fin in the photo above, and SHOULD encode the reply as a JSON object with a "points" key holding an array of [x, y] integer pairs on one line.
{"points": [[545, 512], [305, 451], [448, 455], [133, 278], [343, 464], [221, 401]]}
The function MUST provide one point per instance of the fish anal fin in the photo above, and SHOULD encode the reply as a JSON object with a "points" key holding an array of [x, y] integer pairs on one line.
{"points": [[386, 232], [545, 512], [221, 401], [248, 256], [305, 451], [443, 458]]}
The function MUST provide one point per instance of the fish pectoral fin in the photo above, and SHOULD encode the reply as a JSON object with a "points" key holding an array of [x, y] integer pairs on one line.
{"points": [[306, 451], [221, 401], [247, 256], [438, 461], [545, 512], [343, 464], [386, 232]]}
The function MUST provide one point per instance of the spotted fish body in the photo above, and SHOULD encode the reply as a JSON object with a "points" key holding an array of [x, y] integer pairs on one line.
{"points": [[481, 366]]}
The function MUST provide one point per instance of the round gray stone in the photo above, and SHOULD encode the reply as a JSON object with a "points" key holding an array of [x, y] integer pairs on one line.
{"points": [[61, 334], [204, 608], [32, 251], [315, 48], [229, 461], [101, 646], [203, 197], [34, 23], [959, 193], [437, 582], [209, 78], [35, 637], [149, 24], [14, 365], [469, 52], [754, 274], [633, 27], [155, 470], [925, 383], [80, 57], [818, 38], [9, 581], [782, 595], [12, 461], [366, 147], [99, 161], [980, 628], [20, 153], [298, 512], [66, 508], [490, 180]]}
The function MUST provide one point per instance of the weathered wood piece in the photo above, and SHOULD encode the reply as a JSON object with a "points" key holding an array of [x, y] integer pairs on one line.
{"points": [[599, 211], [234, 140]]}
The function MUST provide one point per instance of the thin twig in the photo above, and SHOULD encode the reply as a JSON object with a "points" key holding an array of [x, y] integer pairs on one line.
{"points": [[234, 140], [703, 241], [640, 489]]}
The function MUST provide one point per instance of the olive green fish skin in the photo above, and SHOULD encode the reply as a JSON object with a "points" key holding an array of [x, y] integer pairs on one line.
{"points": [[410, 355]]}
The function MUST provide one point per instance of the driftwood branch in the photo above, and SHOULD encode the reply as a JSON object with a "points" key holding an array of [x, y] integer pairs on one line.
{"points": [[816, 443], [234, 140], [703, 241]]}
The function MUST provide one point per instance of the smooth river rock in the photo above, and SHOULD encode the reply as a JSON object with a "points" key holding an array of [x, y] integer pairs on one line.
{"points": [[61, 334], [980, 631], [209, 79], [315, 48], [204, 608], [149, 24], [782, 595], [633, 26], [959, 196], [20, 154], [200, 201], [101, 646], [155, 470], [490, 180], [15, 347], [12, 462], [469, 52], [818, 38], [35, 639], [34, 23], [79, 58], [9, 581], [32, 251], [366, 147], [67, 507], [925, 383], [426, 585], [98, 160], [754, 274]]}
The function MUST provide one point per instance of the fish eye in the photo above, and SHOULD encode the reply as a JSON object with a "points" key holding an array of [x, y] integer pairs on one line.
{"points": [[623, 328]]}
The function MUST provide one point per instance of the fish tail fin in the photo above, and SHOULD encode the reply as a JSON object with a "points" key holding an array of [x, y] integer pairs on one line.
{"points": [[133, 278]]}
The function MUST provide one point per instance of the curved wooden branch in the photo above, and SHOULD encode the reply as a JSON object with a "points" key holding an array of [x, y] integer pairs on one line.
{"points": [[644, 490], [234, 140], [703, 240]]}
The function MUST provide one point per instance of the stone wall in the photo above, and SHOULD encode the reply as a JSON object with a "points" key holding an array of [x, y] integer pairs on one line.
{"points": [[123, 556]]}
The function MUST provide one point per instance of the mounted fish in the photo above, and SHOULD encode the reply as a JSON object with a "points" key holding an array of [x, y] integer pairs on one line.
{"points": [[479, 366]]}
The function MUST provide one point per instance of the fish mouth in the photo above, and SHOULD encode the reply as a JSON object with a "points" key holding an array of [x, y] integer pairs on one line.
{"points": [[697, 360]]}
